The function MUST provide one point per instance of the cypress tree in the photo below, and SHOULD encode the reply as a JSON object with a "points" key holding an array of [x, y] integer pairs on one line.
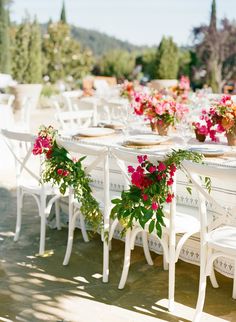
{"points": [[21, 52], [63, 13], [213, 16], [167, 59], [4, 38], [34, 70]]}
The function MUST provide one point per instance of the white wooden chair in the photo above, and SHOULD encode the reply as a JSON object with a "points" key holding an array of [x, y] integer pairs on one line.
{"points": [[180, 221], [95, 156], [27, 182], [72, 120], [7, 99], [71, 99], [218, 239]]}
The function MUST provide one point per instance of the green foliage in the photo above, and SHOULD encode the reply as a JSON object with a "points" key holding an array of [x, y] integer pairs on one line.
{"points": [[132, 206], [117, 63], [4, 38], [20, 57], [148, 62], [167, 59], [34, 70], [63, 56], [63, 13], [26, 53], [64, 172], [184, 62]]}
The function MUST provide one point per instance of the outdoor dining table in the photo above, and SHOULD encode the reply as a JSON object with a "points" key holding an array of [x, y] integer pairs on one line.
{"points": [[191, 249]]}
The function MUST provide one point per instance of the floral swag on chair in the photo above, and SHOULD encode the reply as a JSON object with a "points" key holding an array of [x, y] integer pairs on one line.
{"points": [[150, 190], [61, 170]]}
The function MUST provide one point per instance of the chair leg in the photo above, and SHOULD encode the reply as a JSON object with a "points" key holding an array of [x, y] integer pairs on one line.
{"points": [[57, 210], [69, 244], [42, 225], [202, 289], [105, 260], [171, 287], [126, 260], [213, 279], [83, 229], [18, 215], [234, 282], [146, 248], [165, 262]]}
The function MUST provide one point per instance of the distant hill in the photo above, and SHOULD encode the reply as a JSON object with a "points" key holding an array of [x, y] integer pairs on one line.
{"points": [[99, 42]]}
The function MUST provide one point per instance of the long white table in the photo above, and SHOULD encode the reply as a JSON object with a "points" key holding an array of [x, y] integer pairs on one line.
{"points": [[190, 251]]}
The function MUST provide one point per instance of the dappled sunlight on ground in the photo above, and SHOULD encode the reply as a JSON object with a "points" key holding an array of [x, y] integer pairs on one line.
{"points": [[35, 288]]}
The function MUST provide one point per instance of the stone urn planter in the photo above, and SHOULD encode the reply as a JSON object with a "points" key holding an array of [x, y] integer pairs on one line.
{"points": [[24, 91]]}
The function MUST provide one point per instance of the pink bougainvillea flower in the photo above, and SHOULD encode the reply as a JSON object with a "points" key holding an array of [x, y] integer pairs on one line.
{"points": [[161, 167], [169, 197], [145, 197], [152, 168], [141, 158], [60, 172], [170, 182], [155, 206], [131, 169], [65, 173]]}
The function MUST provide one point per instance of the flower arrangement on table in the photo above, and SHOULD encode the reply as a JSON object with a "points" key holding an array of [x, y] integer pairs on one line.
{"points": [[162, 111], [181, 91], [127, 90], [150, 191], [64, 171], [221, 118]]}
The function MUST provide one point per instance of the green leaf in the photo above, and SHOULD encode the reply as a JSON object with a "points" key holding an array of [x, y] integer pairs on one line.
{"points": [[116, 201], [151, 226]]}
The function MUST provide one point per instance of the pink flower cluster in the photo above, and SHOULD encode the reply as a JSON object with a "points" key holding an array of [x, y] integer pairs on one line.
{"points": [[158, 108], [43, 144], [146, 175], [62, 172], [220, 118], [184, 83]]}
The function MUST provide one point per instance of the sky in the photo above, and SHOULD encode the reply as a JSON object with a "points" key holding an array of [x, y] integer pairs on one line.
{"points": [[142, 22]]}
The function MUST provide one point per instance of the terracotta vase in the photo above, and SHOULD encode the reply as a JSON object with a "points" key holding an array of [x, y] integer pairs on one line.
{"points": [[200, 137], [161, 129], [231, 138]]}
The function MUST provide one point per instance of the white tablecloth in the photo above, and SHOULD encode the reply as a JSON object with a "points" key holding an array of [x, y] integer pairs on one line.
{"points": [[190, 251]]}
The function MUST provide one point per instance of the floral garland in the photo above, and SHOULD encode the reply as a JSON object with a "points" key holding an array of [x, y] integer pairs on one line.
{"points": [[63, 171], [150, 190]]}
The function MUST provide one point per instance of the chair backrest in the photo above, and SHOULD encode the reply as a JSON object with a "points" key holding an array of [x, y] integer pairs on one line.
{"points": [[20, 146], [70, 98], [71, 119], [94, 156], [7, 99], [196, 173]]}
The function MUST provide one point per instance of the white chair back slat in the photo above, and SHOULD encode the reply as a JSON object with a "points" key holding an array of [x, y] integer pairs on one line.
{"points": [[20, 145], [195, 172]]}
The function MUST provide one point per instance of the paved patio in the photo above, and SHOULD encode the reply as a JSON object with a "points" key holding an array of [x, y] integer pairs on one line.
{"points": [[37, 288]]}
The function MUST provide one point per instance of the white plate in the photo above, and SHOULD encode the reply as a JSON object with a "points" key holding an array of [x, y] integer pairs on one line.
{"points": [[94, 131], [209, 150], [147, 139]]}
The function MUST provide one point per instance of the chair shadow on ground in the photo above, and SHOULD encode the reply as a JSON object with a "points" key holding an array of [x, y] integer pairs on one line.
{"points": [[39, 288]]}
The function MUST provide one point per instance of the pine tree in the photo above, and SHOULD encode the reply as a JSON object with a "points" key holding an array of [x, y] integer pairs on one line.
{"points": [[167, 59], [21, 52], [34, 70], [4, 38], [63, 13]]}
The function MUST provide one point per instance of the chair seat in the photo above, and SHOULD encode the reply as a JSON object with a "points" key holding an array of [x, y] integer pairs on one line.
{"points": [[223, 239], [187, 220]]}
